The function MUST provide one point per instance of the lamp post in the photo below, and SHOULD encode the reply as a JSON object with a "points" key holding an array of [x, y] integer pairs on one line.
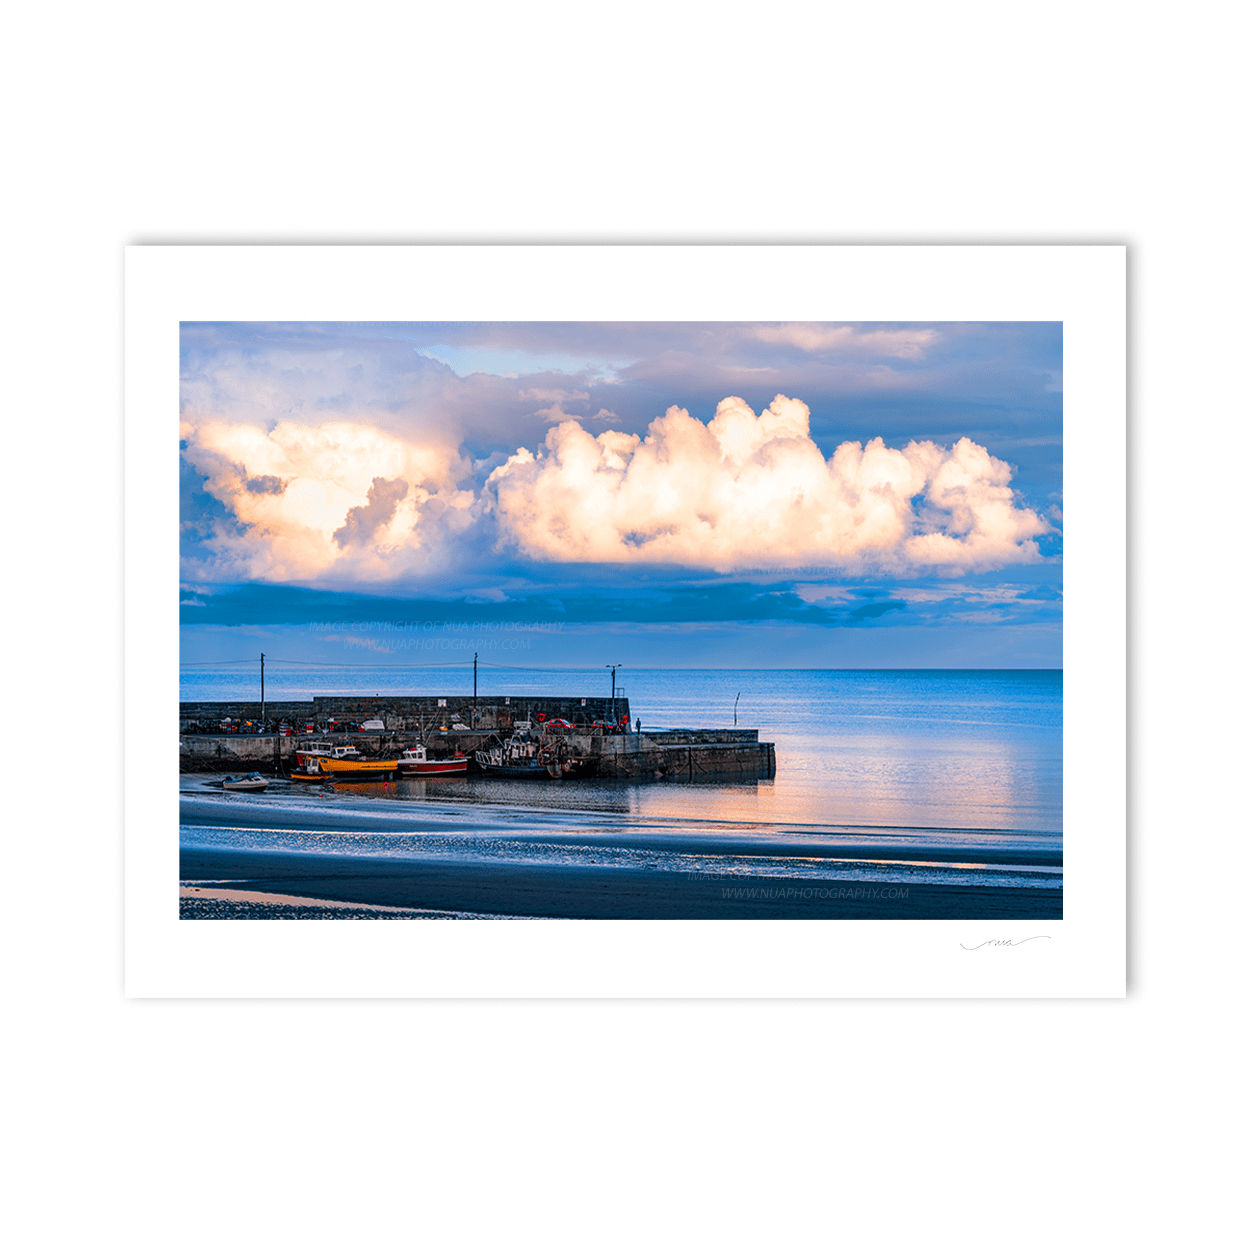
{"points": [[614, 667], [262, 692]]}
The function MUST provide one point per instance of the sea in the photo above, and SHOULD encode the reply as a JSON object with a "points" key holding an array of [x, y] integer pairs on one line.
{"points": [[942, 776]]}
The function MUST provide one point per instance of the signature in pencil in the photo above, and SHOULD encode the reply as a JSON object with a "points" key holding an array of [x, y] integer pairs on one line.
{"points": [[1006, 941]]}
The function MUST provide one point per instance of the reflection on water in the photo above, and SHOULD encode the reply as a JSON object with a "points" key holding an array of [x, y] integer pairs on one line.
{"points": [[864, 781], [933, 749]]}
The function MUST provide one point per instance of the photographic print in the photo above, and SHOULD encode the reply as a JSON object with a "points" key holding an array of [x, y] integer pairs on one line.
{"points": [[647, 620], [624, 621]]}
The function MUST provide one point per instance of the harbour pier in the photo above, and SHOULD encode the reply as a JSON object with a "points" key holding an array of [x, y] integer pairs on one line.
{"points": [[232, 737]]}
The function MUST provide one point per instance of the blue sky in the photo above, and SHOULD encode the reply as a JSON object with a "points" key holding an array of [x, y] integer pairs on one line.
{"points": [[692, 494]]}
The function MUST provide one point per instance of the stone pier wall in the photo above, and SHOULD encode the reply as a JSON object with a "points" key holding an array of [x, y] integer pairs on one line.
{"points": [[679, 754], [402, 713], [685, 754]]}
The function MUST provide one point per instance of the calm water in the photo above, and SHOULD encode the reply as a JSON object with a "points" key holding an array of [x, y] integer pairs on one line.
{"points": [[923, 749]]}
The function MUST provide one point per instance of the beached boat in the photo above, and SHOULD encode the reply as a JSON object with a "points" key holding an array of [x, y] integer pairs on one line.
{"points": [[253, 781], [415, 763]]}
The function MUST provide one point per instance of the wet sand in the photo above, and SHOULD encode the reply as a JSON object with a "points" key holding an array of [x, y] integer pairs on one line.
{"points": [[587, 892], [578, 828]]}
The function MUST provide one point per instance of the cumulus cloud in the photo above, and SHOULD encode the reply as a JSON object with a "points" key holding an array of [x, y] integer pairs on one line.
{"points": [[268, 485], [362, 523], [308, 499], [757, 488]]}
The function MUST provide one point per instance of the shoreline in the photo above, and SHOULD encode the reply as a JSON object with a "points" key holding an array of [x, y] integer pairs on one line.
{"points": [[496, 889]]}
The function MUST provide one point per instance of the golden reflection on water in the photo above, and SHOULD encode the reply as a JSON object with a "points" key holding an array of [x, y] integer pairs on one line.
{"points": [[887, 779], [936, 749], [986, 785]]}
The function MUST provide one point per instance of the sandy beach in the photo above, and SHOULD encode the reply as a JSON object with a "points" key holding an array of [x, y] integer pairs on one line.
{"points": [[584, 892]]}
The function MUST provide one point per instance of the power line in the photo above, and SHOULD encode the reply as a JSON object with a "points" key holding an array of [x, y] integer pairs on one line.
{"points": [[269, 659], [465, 664], [215, 663]]}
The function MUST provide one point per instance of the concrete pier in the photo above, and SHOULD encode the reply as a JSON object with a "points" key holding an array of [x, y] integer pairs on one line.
{"points": [[677, 754], [402, 713], [682, 754]]}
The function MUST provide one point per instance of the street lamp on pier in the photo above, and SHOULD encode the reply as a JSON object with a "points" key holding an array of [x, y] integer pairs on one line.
{"points": [[614, 667]]}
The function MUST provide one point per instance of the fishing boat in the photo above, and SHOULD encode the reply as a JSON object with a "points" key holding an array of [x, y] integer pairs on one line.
{"points": [[312, 773], [307, 756], [357, 769], [519, 756], [253, 781], [533, 756], [415, 763], [309, 759]]}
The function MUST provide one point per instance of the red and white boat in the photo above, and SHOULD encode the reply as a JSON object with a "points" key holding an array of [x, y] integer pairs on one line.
{"points": [[415, 763]]}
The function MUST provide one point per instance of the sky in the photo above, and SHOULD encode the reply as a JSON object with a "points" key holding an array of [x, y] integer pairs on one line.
{"points": [[672, 495]]}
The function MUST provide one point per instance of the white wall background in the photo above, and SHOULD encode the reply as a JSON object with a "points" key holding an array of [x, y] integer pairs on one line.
{"points": [[866, 1124]]}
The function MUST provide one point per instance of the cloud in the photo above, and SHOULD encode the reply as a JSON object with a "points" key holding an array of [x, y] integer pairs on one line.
{"points": [[292, 427], [819, 339], [551, 393], [362, 523], [860, 380], [351, 498], [268, 485], [331, 612], [517, 611], [745, 487], [871, 611], [555, 412]]}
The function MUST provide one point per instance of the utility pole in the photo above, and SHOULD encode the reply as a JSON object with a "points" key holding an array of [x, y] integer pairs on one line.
{"points": [[614, 667], [262, 692]]}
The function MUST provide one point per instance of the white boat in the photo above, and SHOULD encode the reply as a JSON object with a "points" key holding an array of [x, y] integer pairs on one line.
{"points": [[253, 781], [306, 755], [415, 763]]}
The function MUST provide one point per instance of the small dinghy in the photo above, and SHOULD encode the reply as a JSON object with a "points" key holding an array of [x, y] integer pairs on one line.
{"points": [[253, 781]]}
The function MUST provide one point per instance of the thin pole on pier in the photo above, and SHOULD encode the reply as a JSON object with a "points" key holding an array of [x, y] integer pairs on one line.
{"points": [[736, 698], [614, 667], [262, 692], [475, 690]]}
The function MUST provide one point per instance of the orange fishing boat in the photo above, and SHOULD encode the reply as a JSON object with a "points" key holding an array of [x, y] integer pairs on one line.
{"points": [[359, 769]]}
